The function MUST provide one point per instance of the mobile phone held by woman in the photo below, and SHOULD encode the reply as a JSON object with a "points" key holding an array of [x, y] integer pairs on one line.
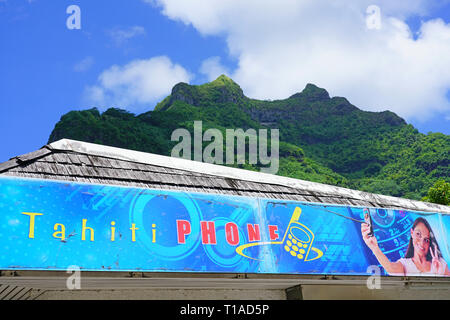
{"points": [[368, 220]]}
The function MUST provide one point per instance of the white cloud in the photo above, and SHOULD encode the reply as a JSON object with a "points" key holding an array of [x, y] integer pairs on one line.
{"points": [[137, 85], [212, 68], [281, 45], [84, 64], [122, 35]]}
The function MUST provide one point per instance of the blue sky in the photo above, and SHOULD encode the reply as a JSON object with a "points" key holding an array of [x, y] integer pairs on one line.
{"points": [[48, 70]]}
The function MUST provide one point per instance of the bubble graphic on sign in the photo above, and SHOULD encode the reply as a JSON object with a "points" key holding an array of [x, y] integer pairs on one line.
{"points": [[142, 212], [384, 218], [222, 253]]}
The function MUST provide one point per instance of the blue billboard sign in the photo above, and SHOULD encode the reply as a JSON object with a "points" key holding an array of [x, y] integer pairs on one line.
{"points": [[51, 225]]}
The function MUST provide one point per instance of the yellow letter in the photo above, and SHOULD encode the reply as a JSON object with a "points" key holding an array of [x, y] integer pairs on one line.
{"points": [[113, 230], [31, 229], [83, 231], [153, 233], [62, 232], [133, 233]]}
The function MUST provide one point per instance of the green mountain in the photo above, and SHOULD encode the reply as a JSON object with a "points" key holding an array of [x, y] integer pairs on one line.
{"points": [[322, 138]]}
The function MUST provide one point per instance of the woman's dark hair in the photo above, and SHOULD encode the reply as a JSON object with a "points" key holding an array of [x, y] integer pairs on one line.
{"points": [[433, 242]]}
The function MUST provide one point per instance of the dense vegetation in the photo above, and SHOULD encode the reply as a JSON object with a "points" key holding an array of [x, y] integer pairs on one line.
{"points": [[323, 139], [439, 193]]}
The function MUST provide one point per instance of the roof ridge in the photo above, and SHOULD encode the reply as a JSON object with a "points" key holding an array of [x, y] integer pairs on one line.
{"points": [[235, 173]]}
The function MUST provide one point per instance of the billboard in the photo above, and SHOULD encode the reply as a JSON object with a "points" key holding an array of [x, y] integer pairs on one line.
{"points": [[51, 225]]}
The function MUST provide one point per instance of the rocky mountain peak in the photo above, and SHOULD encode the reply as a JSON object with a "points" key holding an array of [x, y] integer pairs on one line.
{"points": [[312, 93]]}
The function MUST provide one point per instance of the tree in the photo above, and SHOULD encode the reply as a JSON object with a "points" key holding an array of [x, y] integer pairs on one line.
{"points": [[439, 193]]}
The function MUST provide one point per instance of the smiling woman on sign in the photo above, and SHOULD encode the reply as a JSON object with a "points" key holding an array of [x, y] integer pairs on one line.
{"points": [[422, 257]]}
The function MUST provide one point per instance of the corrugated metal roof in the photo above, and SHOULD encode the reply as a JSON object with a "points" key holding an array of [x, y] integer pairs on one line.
{"points": [[78, 161]]}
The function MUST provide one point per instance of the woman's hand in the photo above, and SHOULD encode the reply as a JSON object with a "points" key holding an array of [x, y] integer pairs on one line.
{"points": [[438, 266], [370, 241], [392, 268]]}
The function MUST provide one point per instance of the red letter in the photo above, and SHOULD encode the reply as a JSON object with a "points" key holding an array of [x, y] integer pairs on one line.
{"points": [[273, 232], [232, 233], [208, 232], [183, 229], [253, 232]]}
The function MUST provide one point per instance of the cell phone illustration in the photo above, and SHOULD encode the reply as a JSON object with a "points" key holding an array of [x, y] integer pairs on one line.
{"points": [[368, 220], [298, 238]]}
